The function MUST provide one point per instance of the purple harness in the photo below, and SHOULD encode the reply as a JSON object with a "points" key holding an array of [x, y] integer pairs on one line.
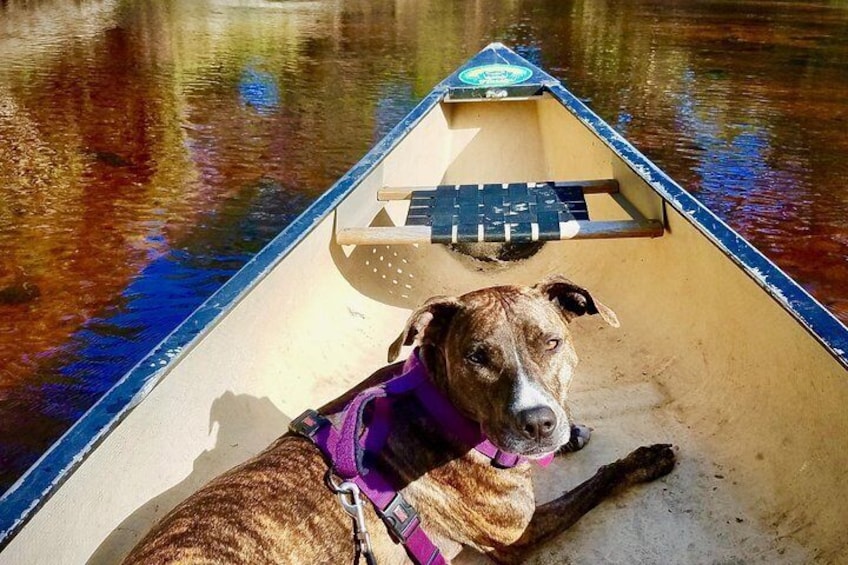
{"points": [[345, 448]]}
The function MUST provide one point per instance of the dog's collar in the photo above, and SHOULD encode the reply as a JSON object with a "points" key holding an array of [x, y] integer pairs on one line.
{"points": [[345, 448], [446, 415], [412, 379]]}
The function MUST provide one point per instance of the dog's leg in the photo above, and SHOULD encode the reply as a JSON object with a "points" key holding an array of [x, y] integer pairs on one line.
{"points": [[580, 435], [642, 465]]}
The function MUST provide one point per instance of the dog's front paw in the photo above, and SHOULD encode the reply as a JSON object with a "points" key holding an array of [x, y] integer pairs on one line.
{"points": [[648, 462], [579, 438]]}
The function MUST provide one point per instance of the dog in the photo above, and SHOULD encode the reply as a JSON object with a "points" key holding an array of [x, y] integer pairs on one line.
{"points": [[504, 358]]}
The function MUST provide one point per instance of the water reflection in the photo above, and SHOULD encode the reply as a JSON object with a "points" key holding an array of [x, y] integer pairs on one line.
{"points": [[156, 300], [395, 102], [738, 169], [259, 90], [147, 149]]}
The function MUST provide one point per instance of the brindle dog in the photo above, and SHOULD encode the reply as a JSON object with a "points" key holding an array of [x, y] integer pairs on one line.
{"points": [[504, 357]]}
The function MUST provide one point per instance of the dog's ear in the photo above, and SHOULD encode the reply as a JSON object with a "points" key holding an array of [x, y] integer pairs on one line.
{"points": [[428, 322], [574, 300]]}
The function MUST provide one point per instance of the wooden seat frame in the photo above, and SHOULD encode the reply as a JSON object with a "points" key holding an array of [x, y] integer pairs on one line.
{"points": [[636, 226]]}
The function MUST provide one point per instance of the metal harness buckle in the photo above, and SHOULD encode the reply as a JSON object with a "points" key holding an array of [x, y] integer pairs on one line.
{"points": [[308, 423], [398, 515]]}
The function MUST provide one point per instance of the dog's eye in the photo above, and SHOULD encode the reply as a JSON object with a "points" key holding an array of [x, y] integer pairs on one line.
{"points": [[552, 344], [477, 357]]}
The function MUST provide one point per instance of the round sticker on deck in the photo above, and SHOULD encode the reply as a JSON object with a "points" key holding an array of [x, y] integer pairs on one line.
{"points": [[495, 75]]}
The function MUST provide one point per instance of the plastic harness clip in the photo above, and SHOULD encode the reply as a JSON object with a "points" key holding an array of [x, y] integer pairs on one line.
{"points": [[308, 423], [398, 515]]}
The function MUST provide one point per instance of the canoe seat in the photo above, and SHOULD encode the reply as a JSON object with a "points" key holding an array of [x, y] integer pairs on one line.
{"points": [[496, 213], [509, 212]]}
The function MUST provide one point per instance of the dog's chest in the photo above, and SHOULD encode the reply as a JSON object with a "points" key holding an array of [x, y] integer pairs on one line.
{"points": [[457, 491], [473, 503]]}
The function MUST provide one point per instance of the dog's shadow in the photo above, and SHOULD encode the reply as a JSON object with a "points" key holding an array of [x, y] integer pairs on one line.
{"points": [[245, 426]]}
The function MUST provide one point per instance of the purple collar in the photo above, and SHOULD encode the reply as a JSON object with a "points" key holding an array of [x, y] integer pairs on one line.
{"points": [[345, 448], [442, 410], [413, 379]]}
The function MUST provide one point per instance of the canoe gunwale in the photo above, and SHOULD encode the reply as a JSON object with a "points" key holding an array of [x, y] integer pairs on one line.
{"points": [[822, 324], [825, 327], [34, 488]]}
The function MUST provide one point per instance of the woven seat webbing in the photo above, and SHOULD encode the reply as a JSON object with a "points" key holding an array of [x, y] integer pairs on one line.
{"points": [[487, 210]]}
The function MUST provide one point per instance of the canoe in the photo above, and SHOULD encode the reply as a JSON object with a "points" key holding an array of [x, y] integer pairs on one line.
{"points": [[719, 351]]}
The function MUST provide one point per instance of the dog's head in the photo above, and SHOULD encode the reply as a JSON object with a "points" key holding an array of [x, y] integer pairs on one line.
{"points": [[505, 357]]}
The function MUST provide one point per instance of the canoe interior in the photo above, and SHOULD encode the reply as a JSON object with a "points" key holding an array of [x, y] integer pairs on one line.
{"points": [[704, 359]]}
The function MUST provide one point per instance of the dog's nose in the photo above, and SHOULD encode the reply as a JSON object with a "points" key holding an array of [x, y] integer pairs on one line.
{"points": [[537, 423]]}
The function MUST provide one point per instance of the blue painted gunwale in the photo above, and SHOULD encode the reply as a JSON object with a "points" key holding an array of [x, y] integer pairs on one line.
{"points": [[33, 489]]}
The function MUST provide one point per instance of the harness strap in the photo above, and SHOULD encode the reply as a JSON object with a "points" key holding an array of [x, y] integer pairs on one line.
{"points": [[349, 450], [345, 449], [400, 517]]}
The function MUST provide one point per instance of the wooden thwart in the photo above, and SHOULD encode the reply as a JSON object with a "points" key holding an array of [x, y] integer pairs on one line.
{"points": [[515, 212], [603, 186], [581, 229]]}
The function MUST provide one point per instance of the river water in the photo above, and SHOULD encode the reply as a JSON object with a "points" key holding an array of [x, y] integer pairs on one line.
{"points": [[149, 148]]}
